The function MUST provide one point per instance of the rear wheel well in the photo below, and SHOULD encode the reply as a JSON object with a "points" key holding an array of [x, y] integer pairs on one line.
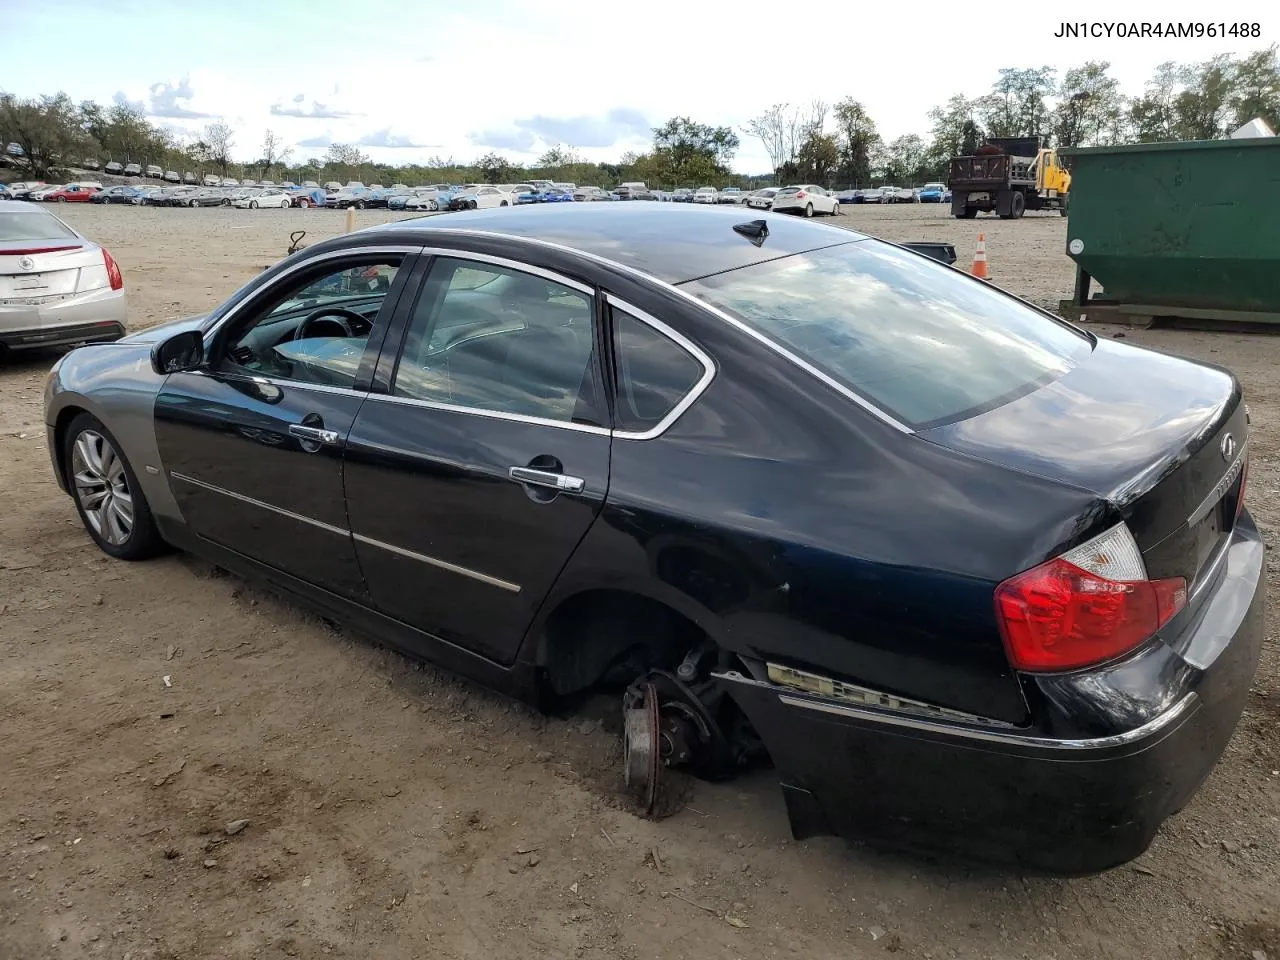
{"points": [[612, 636]]}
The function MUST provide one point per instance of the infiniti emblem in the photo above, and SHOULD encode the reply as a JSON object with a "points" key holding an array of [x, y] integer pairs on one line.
{"points": [[1228, 447], [26, 263]]}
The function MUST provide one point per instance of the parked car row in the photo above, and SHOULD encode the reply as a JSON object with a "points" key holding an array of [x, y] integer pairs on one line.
{"points": [[805, 199], [929, 193]]}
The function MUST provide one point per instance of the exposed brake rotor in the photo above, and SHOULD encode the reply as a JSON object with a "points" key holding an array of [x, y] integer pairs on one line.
{"points": [[641, 760]]}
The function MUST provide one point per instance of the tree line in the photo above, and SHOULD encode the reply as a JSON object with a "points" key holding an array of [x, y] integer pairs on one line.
{"points": [[1085, 107], [831, 144]]}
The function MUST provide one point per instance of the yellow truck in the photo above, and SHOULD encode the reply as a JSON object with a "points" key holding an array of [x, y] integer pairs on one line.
{"points": [[1008, 176]]}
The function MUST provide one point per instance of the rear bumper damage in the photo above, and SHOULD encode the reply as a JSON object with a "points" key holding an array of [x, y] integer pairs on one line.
{"points": [[1148, 731]]}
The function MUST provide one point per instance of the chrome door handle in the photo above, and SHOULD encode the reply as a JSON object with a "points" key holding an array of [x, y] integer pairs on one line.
{"points": [[314, 434], [545, 478]]}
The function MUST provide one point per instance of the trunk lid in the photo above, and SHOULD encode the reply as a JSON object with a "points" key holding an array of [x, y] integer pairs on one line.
{"points": [[37, 271], [1161, 439]]}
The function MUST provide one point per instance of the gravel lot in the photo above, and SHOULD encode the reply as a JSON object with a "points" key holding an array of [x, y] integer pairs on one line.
{"points": [[396, 812]]}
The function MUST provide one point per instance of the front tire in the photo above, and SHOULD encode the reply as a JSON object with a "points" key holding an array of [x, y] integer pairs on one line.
{"points": [[304, 203], [253, 204], [108, 497], [433, 206], [359, 204], [835, 211]]}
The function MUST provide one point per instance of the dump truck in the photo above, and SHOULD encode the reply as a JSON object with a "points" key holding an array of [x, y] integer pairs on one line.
{"points": [[1008, 176]]}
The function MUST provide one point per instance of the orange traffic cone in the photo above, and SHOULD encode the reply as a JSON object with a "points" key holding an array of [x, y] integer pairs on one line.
{"points": [[980, 259]]}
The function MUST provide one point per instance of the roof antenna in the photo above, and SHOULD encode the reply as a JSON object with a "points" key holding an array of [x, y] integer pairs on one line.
{"points": [[753, 230]]}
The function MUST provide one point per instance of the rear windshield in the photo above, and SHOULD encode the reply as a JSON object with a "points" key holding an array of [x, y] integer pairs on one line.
{"points": [[32, 225], [789, 190], [921, 341]]}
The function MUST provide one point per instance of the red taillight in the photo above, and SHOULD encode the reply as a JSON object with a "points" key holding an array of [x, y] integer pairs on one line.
{"points": [[113, 270], [1064, 614], [801, 195]]}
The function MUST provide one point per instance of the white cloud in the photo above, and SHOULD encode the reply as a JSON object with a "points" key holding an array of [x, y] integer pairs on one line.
{"points": [[501, 75]]}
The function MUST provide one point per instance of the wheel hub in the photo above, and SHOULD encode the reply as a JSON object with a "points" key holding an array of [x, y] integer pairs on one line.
{"points": [[641, 747]]}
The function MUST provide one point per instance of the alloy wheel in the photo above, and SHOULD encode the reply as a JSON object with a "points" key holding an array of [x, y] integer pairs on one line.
{"points": [[102, 487]]}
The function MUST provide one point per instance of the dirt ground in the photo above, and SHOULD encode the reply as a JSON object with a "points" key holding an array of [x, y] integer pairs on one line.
{"points": [[395, 812]]}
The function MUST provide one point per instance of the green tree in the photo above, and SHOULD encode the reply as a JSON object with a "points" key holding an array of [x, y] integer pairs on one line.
{"points": [[1256, 90], [817, 159], [1090, 102], [856, 137], [494, 168], [1017, 105], [47, 128], [1151, 116], [684, 150], [953, 132], [905, 158], [1201, 111]]}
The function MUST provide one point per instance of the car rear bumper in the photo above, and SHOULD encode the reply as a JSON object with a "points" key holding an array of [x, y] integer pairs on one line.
{"points": [[1066, 803], [93, 317]]}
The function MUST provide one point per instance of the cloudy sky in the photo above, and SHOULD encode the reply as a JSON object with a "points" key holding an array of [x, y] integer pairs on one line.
{"points": [[458, 78]]}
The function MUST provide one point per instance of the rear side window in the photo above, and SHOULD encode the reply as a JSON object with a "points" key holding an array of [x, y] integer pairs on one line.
{"points": [[654, 373], [32, 225], [919, 340]]}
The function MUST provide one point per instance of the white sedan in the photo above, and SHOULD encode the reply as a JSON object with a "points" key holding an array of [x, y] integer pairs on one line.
{"points": [[706, 195], [263, 198], [762, 199], [806, 199]]}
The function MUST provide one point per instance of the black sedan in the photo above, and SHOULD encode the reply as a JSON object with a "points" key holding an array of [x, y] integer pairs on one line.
{"points": [[117, 194], [968, 576]]}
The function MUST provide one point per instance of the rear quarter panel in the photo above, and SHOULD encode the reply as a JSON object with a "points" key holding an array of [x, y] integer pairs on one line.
{"points": [[794, 526]]}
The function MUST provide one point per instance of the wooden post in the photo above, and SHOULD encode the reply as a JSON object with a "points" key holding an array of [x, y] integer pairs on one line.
{"points": [[351, 219]]}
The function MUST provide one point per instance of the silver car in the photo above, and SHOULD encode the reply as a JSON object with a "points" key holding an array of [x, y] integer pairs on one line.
{"points": [[56, 285]]}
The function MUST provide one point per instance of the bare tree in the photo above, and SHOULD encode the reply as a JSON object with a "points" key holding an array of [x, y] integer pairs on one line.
{"points": [[770, 128], [218, 142], [784, 130], [273, 151]]}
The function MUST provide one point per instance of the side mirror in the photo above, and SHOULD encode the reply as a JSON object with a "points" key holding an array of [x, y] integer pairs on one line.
{"points": [[180, 353]]}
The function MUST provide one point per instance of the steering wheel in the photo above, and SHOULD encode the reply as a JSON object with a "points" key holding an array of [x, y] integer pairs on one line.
{"points": [[338, 315]]}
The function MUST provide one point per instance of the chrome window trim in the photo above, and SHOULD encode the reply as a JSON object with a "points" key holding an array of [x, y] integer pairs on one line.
{"points": [[491, 414], [259, 503], [680, 340], [510, 264], [1154, 725], [280, 382], [220, 322], [441, 564], [714, 311]]}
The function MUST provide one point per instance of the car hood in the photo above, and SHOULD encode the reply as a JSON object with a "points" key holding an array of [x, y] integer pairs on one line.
{"points": [[163, 330]]}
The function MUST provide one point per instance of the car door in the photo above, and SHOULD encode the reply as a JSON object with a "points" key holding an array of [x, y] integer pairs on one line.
{"points": [[252, 442], [474, 474]]}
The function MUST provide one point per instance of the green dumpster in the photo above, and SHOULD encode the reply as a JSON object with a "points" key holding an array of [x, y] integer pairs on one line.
{"points": [[1185, 230]]}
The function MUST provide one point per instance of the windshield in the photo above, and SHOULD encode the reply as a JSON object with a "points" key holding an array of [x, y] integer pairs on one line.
{"points": [[932, 186], [921, 341], [32, 225]]}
